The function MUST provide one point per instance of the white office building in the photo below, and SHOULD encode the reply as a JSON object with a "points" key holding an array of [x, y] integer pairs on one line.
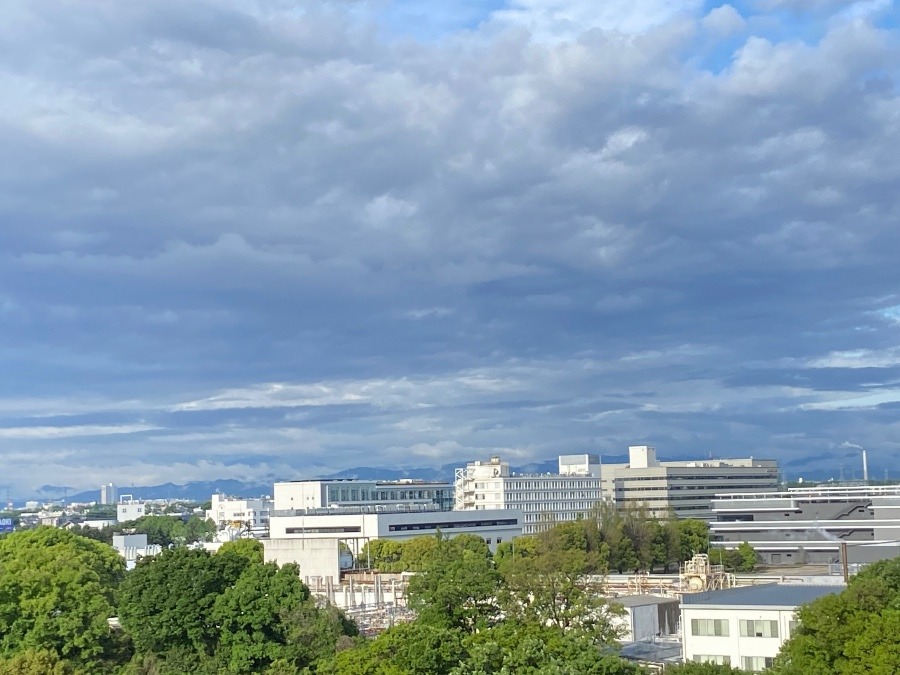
{"points": [[543, 499], [247, 515], [303, 535], [358, 525], [685, 488], [744, 627], [317, 494], [809, 524]]}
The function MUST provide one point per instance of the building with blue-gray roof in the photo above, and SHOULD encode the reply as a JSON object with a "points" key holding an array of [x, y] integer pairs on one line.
{"points": [[744, 627]]}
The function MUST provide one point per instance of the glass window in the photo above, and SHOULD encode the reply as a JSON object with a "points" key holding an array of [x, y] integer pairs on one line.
{"points": [[716, 627], [757, 663], [759, 628], [722, 660]]}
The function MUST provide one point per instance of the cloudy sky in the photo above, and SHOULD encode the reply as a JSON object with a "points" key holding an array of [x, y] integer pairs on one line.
{"points": [[254, 238]]}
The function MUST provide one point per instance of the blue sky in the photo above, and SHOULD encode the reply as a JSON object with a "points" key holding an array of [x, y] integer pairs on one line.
{"points": [[278, 239]]}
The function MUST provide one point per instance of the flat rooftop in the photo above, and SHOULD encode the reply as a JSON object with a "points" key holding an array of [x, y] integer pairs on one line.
{"points": [[764, 595], [641, 600]]}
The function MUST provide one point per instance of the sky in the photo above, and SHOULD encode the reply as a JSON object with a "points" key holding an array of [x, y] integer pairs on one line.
{"points": [[272, 239]]}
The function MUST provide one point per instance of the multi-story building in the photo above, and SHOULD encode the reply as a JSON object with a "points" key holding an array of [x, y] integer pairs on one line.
{"points": [[317, 494], [245, 514], [685, 488], [109, 494], [544, 499], [318, 539], [682, 488], [809, 525], [128, 509], [363, 523], [744, 627]]}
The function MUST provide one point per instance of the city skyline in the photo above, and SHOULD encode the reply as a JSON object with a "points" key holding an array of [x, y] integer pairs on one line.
{"points": [[245, 240]]}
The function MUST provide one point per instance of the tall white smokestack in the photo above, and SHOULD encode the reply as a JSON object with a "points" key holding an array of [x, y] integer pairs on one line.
{"points": [[865, 467]]}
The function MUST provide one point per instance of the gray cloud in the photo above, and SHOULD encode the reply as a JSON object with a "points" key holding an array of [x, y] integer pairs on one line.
{"points": [[242, 230]]}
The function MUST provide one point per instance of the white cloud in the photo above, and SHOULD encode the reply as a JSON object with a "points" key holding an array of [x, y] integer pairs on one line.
{"points": [[47, 432], [565, 18], [723, 20]]}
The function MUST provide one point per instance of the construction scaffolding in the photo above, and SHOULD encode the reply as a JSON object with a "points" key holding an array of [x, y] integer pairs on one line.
{"points": [[374, 601]]}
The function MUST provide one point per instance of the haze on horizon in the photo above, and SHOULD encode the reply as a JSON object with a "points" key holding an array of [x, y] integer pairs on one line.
{"points": [[247, 239]]}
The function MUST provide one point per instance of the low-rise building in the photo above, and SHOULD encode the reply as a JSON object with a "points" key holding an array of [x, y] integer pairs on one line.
{"points": [[245, 515], [809, 524], [128, 509], [647, 617], [303, 536], [134, 546], [744, 627]]}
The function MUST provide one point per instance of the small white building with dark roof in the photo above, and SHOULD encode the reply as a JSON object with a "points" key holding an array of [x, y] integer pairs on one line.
{"points": [[744, 627]]}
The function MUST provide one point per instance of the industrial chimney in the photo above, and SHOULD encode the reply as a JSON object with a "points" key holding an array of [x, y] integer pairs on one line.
{"points": [[865, 467]]}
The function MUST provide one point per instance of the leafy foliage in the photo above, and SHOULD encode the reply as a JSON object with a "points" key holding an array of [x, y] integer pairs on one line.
{"points": [[167, 600], [249, 617], [703, 669], [56, 594], [457, 588], [855, 631]]}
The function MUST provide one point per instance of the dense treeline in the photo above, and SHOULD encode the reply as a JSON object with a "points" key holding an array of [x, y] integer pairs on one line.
{"points": [[612, 539], [184, 611], [163, 530]]}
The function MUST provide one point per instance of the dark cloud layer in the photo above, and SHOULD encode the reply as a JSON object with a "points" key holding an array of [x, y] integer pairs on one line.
{"points": [[274, 239]]}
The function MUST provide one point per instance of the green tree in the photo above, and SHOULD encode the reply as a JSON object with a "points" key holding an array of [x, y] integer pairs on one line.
{"points": [[553, 589], [382, 554], [56, 594], [251, 549], [249, 616], [519, 547], [471, 542], [418, 552], [455, 588], [166, 601], [36, 662], [855, 631], [416, 648], [693, 537], [703, 669], [514, 648]]}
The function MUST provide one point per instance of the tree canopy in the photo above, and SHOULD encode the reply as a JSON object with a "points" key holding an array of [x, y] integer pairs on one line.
{"points": [[855, 631], [56, 594]]}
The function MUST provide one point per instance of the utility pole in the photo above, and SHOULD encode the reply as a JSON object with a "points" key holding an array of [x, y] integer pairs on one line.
{"points": [[845, 567]]}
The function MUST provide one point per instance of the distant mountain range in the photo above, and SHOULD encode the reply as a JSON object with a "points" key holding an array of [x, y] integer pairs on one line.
{"points": [[202, 490]]}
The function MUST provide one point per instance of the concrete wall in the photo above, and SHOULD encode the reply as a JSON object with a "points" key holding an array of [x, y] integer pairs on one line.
{"points": [[316, 557]]}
